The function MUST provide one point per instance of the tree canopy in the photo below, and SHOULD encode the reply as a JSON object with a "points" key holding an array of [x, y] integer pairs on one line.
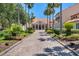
{"points": [[9, 14]]}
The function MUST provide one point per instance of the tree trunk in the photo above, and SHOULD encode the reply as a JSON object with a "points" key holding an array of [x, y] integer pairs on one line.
{"points": [[18, 18], [25, 12], [53, 21], [47, 21], [18, 15], [61, 18], [28, 18]]}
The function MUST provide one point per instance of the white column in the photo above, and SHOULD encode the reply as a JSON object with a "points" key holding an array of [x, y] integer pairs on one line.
{"points": [[48, 23], [44, 26], [35, 26]]}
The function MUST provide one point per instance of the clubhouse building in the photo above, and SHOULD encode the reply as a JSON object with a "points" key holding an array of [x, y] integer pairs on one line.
{"points": [[70, 14], [41, 24]]}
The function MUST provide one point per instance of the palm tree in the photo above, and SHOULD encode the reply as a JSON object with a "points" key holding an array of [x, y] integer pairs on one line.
{"points": [[51, 6], [32, 17], [29, 5], [48, 12], [57, 5]]}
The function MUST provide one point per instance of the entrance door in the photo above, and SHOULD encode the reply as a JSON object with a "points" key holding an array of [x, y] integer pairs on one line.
{"points": [[42, 27], [39, 27]]}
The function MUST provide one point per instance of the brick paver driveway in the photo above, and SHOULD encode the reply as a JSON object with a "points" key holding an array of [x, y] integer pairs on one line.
{"points": [[39, 43]]}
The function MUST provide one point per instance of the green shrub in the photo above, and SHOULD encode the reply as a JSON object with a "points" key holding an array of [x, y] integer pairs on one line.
{"points": [[61, 36], [68, 26], [23, 34], [75, 30], [2, 35], [5, 35], [57, 32], [46, 30], [30, 30], [72, 30], [16, 29], [73, 36], [49, 31], [69, 38], [53, 35]]}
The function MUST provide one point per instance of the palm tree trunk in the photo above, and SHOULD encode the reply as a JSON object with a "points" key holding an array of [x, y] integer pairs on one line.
{"points": [[18, 15], [25, 12], [47, 21], [61, 18], [28, 18], [53, 21]]}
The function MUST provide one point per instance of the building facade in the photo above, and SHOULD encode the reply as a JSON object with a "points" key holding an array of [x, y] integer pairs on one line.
{"points": [[41, 24], [69, 14]]}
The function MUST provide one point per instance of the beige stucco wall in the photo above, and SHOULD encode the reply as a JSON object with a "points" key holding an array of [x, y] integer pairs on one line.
{"points": [[66, 14]]}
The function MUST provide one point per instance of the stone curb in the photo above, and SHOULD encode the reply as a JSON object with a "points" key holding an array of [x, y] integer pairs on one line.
{"points": [[14, 45], [76, 54]]}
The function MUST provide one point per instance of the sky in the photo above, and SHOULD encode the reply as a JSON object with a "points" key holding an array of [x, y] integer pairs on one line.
{"points": [[39, 8]]}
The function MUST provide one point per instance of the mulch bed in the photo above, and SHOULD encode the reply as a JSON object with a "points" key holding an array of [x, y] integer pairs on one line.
{"points": [[6, 44]]}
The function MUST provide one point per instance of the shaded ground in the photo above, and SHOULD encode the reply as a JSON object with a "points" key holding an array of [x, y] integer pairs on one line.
{"points": [[39, 44], [74, 45]]}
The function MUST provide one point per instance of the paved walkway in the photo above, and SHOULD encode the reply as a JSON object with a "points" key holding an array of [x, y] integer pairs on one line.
{"points": [[39, 43]]}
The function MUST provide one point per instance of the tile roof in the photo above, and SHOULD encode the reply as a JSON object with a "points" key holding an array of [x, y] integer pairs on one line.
{"points": [[44, 20]]}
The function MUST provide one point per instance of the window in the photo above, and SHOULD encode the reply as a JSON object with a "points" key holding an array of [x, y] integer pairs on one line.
{"points": [[77, 26], [73, 17]]}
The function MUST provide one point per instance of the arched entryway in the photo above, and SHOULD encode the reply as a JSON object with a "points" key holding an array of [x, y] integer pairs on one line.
{"points": [[39, 26]]}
